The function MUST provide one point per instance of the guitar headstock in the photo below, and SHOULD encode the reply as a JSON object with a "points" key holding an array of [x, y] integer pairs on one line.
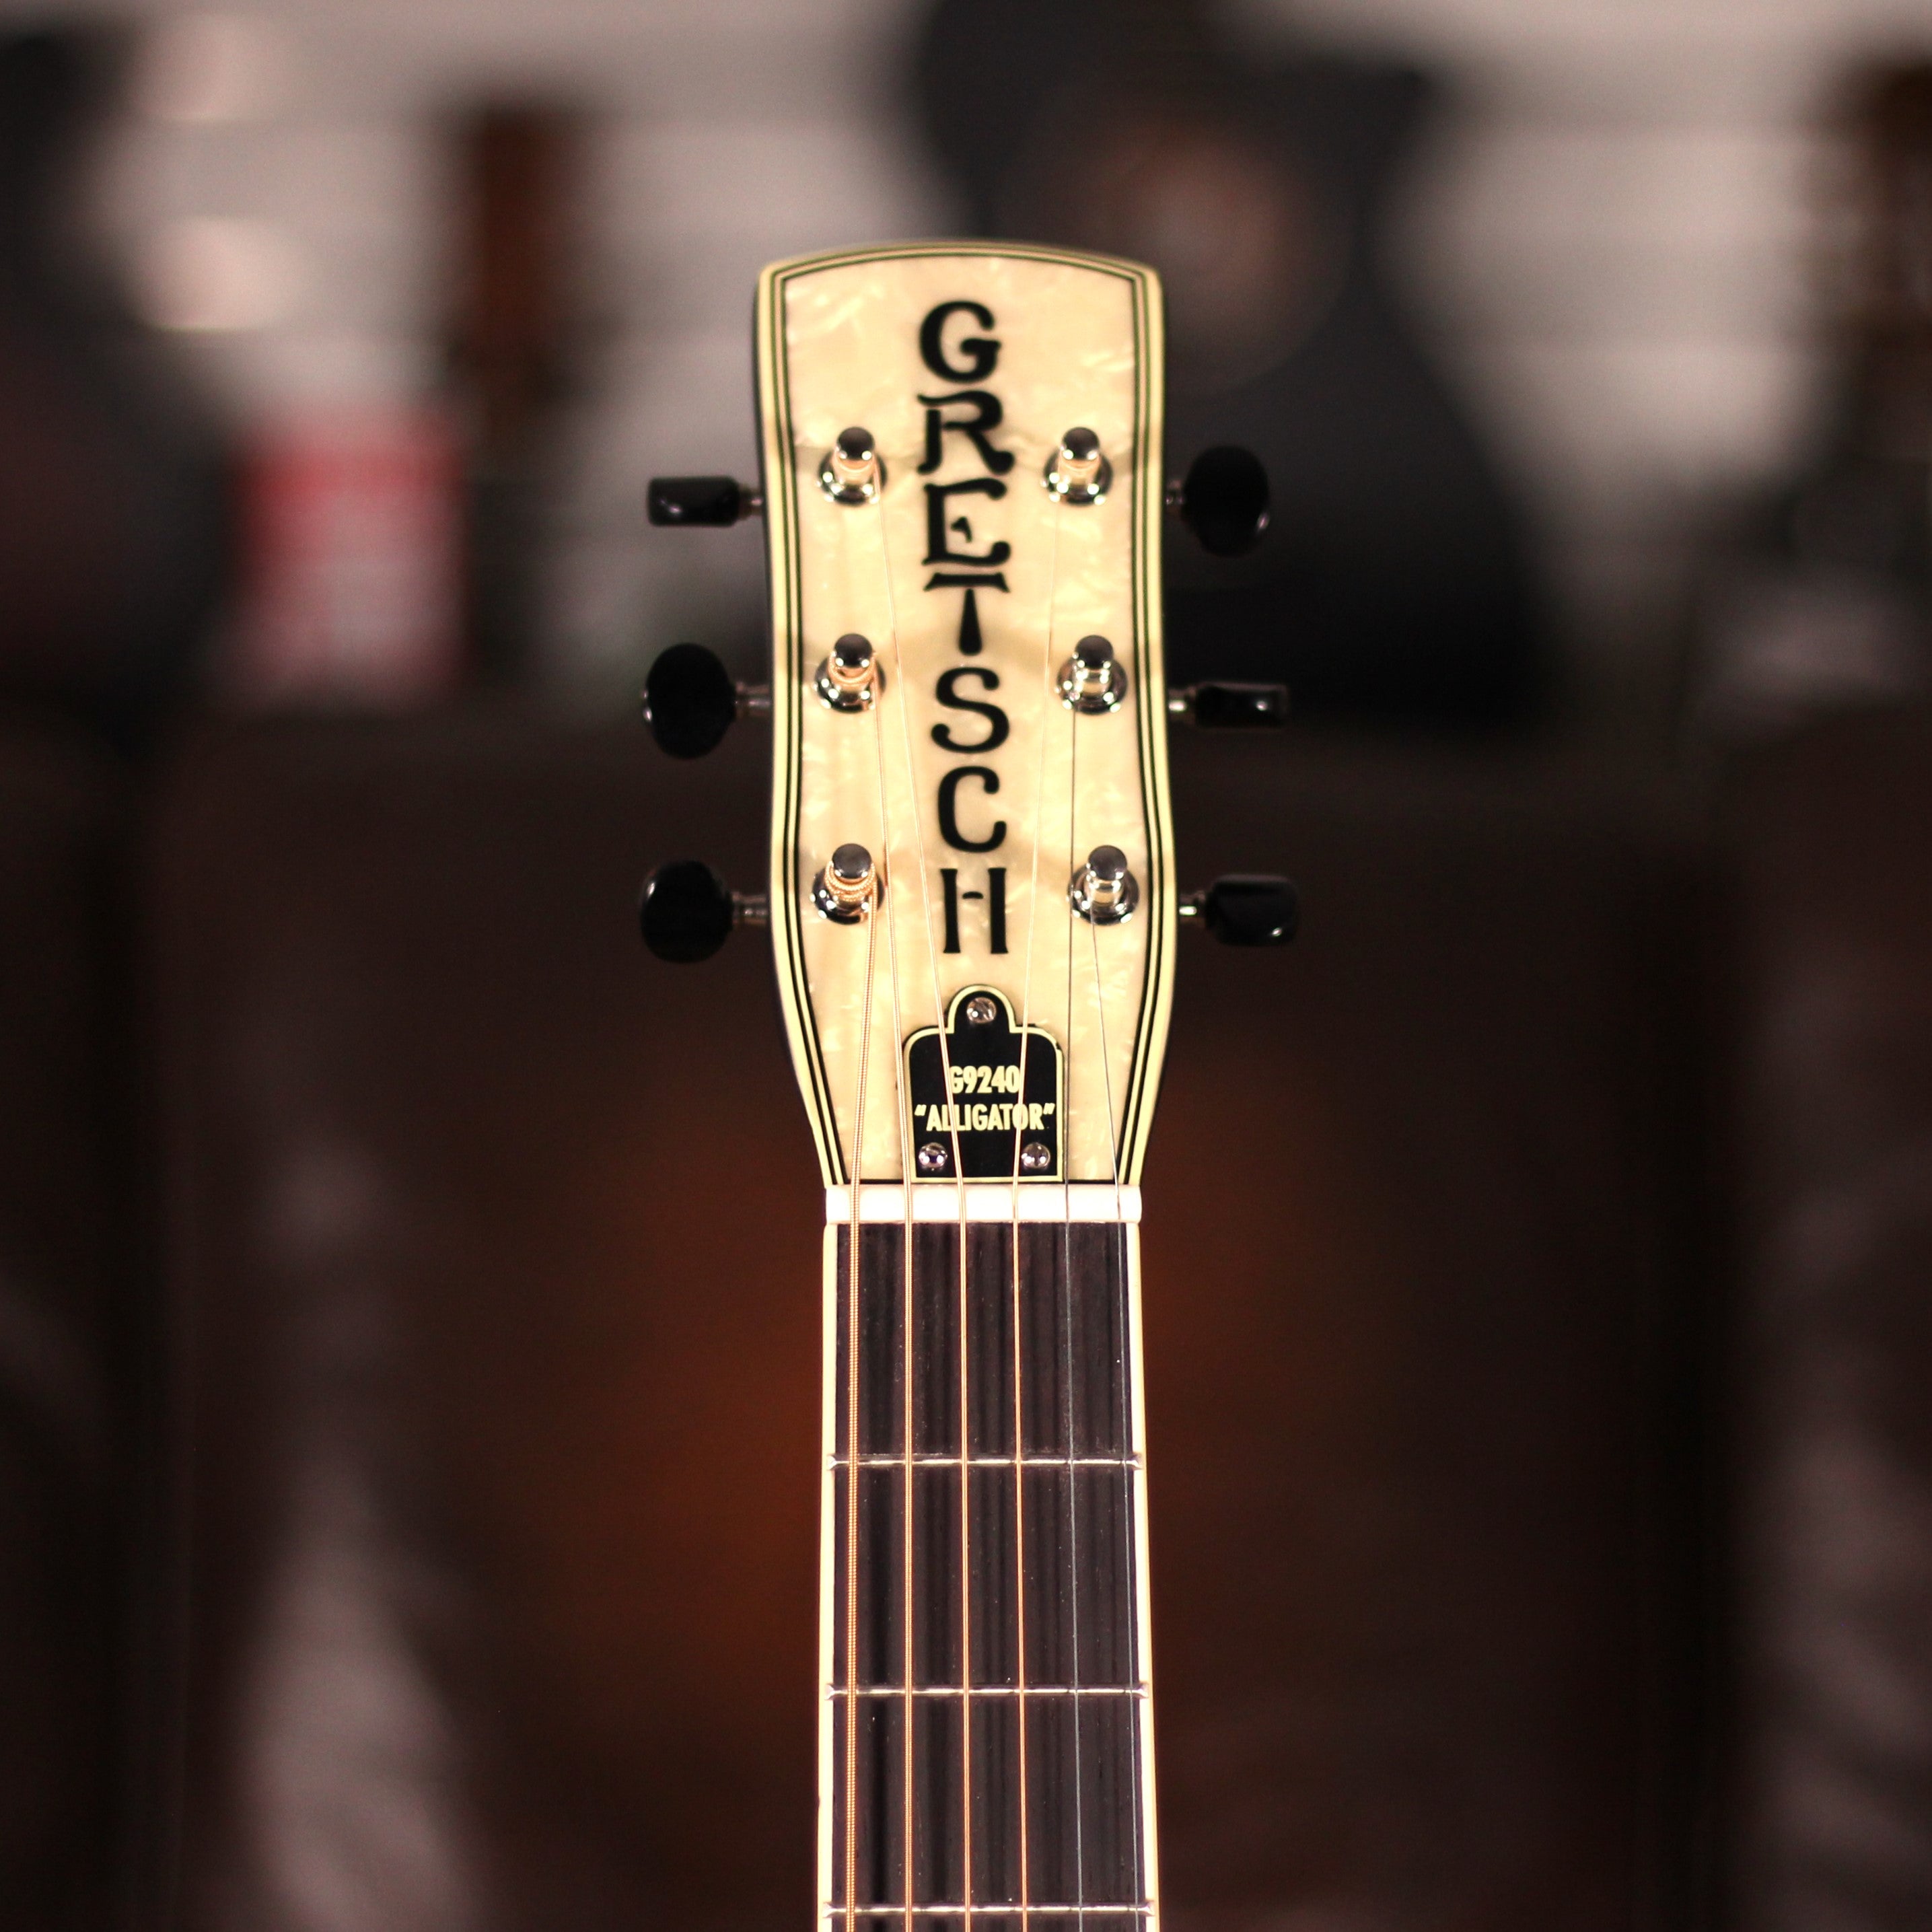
{"points": [[971, 891]]}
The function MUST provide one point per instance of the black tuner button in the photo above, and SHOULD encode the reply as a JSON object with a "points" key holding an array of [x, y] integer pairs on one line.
{"points": [[690, 699], [700, 503], [1223, 706], [688, 911], [1247, 909], [1224, 499]]}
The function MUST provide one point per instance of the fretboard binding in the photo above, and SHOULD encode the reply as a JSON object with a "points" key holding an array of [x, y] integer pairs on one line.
{"points": [[992, 1463], [836, 1690]]}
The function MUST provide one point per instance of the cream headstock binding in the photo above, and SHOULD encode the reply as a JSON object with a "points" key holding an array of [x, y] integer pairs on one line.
{"points": [[973, 906]]}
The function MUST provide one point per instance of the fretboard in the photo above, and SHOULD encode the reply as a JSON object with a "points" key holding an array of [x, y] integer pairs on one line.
{"points": [[990, 1753]]}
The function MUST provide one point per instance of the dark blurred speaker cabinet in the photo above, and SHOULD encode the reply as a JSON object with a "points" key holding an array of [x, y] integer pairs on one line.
{"points": [[1833, 1339], [496, 1245], [73, 1327]]}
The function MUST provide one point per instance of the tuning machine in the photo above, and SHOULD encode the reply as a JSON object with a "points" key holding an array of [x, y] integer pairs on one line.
{"points": [[1103, 892], [853, 471], [1245, 909], [846, 887], [691, 699], [701, 502], [1078, 472], [1092, 680], [687, 911], [849, 677], [1223, 499]]}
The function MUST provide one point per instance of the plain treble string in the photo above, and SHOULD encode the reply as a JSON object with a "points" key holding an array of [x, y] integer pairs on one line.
{"points": [[852, 1448], [909, 1161], [884, 872], [1066, 1291], [1043, 697]]}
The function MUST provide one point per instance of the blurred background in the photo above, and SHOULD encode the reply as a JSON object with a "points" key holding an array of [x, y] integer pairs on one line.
{"points": [[405, 1431], [1550, 305]]}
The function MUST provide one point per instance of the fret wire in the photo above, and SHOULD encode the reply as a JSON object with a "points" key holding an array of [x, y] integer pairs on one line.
{"points": [[929, 1462], [994, 1690], [1011, 1911]]}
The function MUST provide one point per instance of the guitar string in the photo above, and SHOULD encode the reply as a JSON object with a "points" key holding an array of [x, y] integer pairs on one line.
{"points": [[1117, 1243], [1067, 1293], [852, 1243], [907, 1167], [885, 872], [1042, 696]]}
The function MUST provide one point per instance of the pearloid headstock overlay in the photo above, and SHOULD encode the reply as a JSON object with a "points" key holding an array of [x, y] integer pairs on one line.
{"points": [[979, 791]]}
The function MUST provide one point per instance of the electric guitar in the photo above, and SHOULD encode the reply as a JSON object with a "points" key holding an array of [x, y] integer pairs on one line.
{"points": [[974, 911]]}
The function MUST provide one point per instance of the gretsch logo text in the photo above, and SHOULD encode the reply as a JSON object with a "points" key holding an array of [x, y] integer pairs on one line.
{"points": [[955, 345]]}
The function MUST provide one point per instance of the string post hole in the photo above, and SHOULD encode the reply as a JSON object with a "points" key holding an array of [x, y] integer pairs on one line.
{"points": [[1093, 679], [853, 471], [849, 677], [1103, 892], [1079, 472], [844, 890]]}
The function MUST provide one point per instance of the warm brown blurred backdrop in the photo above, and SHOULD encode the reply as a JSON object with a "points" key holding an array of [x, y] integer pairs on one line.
{"points": [[408, 1289]]}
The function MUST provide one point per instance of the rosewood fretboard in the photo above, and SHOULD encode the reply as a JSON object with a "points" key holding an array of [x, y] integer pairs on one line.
{"points": [[997, 1618]]}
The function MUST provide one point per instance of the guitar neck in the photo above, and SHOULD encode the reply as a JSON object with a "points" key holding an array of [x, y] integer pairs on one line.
{"points": [[984, 1581]]}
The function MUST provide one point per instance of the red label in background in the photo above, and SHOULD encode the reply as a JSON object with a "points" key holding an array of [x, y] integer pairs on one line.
{"points": [[352, 572]]}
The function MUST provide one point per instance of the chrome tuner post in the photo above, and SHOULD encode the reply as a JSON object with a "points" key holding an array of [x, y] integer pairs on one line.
{"points": [[849, 676], [687, 911], [1245, 909], [1221, 705], [700, 503], [691, 699], [1223, 499], [1092, 679], [852, 472], [844, 888], [1077, 473], [1103, 892]]}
